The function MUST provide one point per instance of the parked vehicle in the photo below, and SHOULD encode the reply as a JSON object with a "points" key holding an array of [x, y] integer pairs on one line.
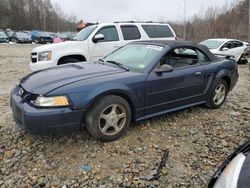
{"points": [[232, 47], [21, 37], [96, 41], [9, 33], [3, 37], [234, 171], [138, 81], [41, 37]]}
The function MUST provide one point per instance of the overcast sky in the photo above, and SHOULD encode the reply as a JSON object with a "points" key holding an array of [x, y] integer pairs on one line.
{"points": [[143, 10]]}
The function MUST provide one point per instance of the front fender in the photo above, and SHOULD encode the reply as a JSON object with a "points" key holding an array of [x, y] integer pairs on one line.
{"points": [[85, 99], [110, 88]]}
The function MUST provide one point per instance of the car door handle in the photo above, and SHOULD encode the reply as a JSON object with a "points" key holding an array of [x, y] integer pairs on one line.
{"points": [[197, 73]]}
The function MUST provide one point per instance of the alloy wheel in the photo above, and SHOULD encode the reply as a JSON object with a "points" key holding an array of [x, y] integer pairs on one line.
{"points": [[220, 94], [112, 119]]}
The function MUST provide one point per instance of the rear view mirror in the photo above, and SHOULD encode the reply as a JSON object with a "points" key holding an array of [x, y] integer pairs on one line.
{"points": [[164, 68], [98, 37], [225, 49]]}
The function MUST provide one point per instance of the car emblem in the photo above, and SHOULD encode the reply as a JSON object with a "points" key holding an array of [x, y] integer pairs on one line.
{"points": [[21, 91]]}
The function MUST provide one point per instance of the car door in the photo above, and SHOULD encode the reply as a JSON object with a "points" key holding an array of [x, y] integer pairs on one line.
{"points": [[234, 48], [183, 86], [103, 47]]}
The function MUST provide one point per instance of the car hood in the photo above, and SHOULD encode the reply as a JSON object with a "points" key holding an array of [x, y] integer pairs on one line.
{"points": [[59, 46], [45, 81], [214, 51]]}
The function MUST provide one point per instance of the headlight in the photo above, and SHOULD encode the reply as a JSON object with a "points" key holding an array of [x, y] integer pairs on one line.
{"points": [[58, 101], [230, 174], [44, 56]]}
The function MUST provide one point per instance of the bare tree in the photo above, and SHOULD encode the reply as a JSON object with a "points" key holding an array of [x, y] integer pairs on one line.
{"points": [[34, 14]]}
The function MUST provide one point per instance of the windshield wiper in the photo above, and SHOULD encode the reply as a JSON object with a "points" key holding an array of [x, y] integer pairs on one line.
{"points": [[119, 65]]}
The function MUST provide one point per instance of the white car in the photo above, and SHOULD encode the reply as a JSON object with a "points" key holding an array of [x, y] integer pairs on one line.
{"points": [[231, 47], [96, 41]]}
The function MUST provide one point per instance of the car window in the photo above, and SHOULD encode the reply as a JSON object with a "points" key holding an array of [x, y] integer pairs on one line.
{"points": [[181, 57], [22, 35], [110, 34], [84, 33], [212, 44], [2, 34], [228, 45], [158, 31], [130, 32], [237, 44], [202, 57], [136, 57]]}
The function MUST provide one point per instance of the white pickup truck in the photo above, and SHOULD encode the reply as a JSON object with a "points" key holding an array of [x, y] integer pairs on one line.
{"points": [[96, 41]]}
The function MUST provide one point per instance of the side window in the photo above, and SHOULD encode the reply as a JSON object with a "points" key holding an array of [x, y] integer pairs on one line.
{"points": [[181, 57], [228, 45], [202, 57], [237, 44], [110, 34], [158, 31], [130, 32]]}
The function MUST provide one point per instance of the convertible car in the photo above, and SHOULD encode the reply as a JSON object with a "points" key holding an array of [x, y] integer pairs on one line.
{"points": [[138, 81]]}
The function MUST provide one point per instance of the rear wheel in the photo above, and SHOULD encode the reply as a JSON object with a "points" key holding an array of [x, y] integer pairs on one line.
{"points": [[109, 118], [218, 94]]}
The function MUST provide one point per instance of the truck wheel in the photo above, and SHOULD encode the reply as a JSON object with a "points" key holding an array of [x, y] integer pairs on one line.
{"points": [[217, 95], [68, 60], [109, 118]]}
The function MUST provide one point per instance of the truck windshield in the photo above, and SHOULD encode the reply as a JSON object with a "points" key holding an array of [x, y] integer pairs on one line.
{"points": [[84, 34]]}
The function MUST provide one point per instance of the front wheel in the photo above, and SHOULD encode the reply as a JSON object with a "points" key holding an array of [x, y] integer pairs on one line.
{"points": [[217, 95], [109, 118]]}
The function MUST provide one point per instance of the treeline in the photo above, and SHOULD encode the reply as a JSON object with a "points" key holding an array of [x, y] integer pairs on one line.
{"points": [[34, 14], [227, 22]]}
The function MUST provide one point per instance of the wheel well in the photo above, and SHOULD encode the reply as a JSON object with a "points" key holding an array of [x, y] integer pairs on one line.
{"points": [[122, 95], [228, 80], [78, 57]]}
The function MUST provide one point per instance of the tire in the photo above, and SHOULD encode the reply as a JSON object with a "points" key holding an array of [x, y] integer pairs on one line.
{"points": [[216, 102], [103, 121], [68, 60], [242, 60]]}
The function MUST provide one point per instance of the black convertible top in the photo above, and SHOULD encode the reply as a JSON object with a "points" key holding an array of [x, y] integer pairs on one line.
{"points": [[176, 44]]}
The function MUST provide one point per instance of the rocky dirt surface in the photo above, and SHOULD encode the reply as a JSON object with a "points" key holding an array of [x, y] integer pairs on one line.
{"points": [[198, 139]]}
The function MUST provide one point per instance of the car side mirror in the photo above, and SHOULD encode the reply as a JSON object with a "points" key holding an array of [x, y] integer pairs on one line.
{"points": [[98, 37], [225, 49], [164, 68]]}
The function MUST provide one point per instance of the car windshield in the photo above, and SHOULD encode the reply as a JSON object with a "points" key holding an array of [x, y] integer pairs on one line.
{"points": [[2, 34], [212, 44], [135, 57], [22, 35], [84, 34]]}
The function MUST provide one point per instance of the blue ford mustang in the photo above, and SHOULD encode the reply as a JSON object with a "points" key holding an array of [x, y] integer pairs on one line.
{"points": [[138, 81]]}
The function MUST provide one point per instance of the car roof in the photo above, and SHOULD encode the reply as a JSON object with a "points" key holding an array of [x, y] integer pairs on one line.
{"points": [[176, 44], [132, 23], [223, 39]]}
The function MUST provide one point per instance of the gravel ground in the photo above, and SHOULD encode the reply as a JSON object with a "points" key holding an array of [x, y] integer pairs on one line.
{"points": [[198, 139]]}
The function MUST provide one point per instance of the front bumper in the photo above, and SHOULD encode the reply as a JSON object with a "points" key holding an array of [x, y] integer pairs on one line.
{"points": [[44, 121]]}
